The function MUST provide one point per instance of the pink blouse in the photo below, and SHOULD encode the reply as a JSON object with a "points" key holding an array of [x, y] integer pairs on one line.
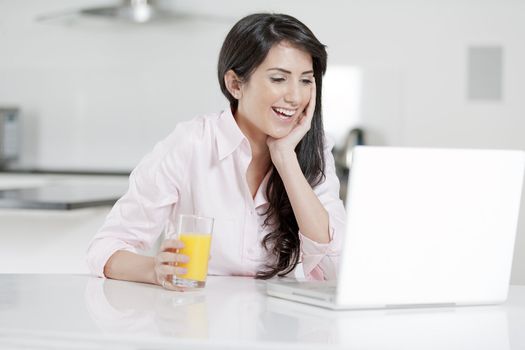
{"points": [[200, 168]]}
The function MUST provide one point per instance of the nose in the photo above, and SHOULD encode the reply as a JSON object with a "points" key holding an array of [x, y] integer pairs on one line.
{"points": [[293, 94]]}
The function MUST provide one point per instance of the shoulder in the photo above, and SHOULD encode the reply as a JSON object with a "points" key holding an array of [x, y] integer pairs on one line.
{"points": [[176, 149], [187, 134], [194, 129]]}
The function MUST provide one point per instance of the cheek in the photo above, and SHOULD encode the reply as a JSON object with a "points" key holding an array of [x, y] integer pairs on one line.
{"points": [[260, 96], [306, 96], [270, 93]]}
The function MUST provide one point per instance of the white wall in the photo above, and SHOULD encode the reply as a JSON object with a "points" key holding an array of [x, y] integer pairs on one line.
{"points": [[99, 95]]}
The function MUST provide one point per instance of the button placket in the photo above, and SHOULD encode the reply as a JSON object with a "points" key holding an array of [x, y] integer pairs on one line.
{"points": [[251, 236]]}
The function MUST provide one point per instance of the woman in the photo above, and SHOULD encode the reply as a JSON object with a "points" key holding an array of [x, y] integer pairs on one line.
{"points": [[260, 168]]}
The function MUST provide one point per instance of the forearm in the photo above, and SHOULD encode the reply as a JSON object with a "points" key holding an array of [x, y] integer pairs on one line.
{"points": [[128, 266], [311, 216]]}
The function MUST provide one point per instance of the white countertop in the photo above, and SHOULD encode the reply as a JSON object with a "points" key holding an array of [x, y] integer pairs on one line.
{"points": [[76, 311]]}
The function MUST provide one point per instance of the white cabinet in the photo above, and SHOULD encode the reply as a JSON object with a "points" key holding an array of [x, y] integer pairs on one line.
{"points": [[49, 241]]}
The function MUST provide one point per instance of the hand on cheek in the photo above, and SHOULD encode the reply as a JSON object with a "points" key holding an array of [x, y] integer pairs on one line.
{"points": [[284, 147]]}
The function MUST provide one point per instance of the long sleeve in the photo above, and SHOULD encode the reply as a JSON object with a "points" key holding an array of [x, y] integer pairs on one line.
{"points": [[320, 261], [138, 218]]}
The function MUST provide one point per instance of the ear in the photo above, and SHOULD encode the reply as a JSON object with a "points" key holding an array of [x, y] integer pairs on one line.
{"points": [[233, 84]]}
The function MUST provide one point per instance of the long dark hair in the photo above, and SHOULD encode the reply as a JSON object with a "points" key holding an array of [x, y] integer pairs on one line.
{"points": [[244, 49]]}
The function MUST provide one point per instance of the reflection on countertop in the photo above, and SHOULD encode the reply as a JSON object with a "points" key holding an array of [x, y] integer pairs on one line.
{"points": [[235, 313], [237, 308]]}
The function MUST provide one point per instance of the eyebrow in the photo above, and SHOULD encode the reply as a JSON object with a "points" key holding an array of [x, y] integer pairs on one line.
{"points": [[288, 72]]}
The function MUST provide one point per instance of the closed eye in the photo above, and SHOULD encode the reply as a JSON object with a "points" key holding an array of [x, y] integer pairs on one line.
{"points": [[277, 80]]}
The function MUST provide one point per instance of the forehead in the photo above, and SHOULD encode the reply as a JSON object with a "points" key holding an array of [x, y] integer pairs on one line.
{"points": [[286, 56]]}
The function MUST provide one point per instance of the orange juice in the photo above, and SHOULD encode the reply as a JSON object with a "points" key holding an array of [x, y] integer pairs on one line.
{"points": [[197, 248]]}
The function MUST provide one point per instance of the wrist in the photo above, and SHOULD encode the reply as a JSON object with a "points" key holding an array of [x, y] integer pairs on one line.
{"points": [[285, 160], [151, 273]]}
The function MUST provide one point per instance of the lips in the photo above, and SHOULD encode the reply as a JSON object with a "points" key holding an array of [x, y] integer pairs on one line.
{"points": [[284, 114]]}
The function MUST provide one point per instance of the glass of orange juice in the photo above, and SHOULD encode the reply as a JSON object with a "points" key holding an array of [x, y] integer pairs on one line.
{"points": [[195, 232]]}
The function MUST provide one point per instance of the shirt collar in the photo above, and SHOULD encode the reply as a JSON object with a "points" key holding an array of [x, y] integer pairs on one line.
{"points": [[229, 136]]}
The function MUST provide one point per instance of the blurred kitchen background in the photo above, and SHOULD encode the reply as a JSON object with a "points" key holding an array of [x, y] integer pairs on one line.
{"points": [[84, 97]]}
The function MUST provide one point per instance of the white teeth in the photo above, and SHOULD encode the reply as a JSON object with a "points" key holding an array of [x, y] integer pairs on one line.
{"points": [[287, 112]]}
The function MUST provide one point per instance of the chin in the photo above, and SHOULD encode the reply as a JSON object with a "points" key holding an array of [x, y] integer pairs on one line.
{"points": [[277, 134]]}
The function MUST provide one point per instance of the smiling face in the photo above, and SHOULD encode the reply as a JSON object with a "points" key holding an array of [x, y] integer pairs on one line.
{"points": [[275, 96]]}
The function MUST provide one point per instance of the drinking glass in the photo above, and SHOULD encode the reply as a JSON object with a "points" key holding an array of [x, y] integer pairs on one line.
{"points": [[195, 233]]}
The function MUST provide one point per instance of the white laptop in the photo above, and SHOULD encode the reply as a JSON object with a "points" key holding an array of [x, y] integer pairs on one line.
{"points": [[425, 227]]}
